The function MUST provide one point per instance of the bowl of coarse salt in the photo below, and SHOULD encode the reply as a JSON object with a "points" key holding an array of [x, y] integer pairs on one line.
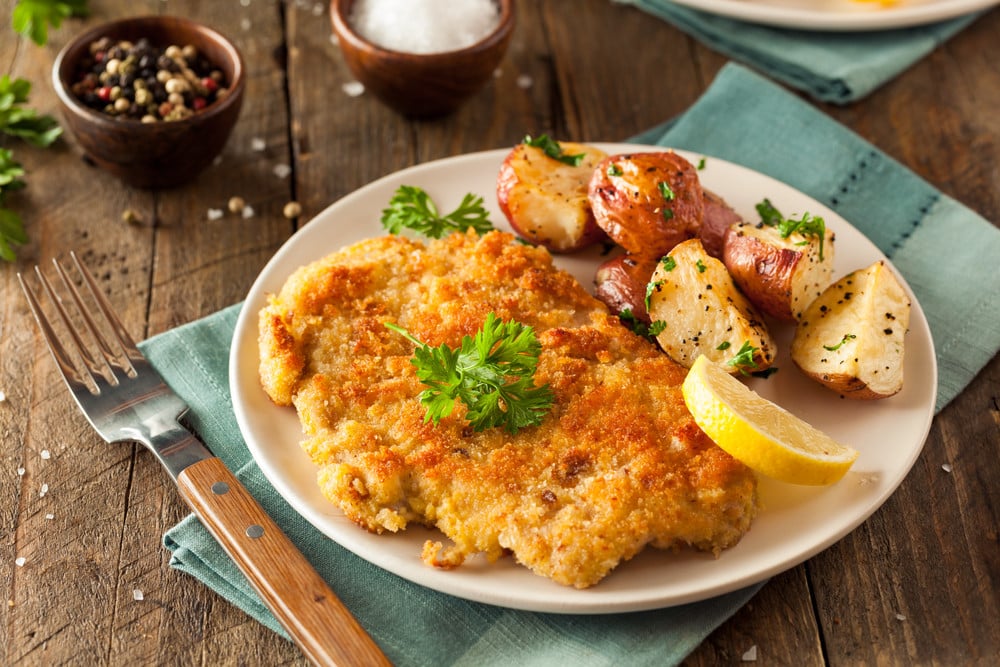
{"points": [[423, 57]]}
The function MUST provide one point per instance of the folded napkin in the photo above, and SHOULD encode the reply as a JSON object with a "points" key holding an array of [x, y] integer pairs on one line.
{"points": [[838, 67], [919, 228]]}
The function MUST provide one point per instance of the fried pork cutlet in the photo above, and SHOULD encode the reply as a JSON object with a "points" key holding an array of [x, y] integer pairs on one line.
{"points": [[616, 465]]}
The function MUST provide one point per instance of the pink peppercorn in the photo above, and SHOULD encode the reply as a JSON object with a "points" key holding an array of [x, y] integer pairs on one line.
{"points": [[198, 103], [210, 84], [104, 92]]}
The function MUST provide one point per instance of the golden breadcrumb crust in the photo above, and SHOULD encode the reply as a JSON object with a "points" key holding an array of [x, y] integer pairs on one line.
{"points": [[617, 465]]}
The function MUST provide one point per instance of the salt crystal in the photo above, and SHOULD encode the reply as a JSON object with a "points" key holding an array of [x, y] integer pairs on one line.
{"points": [[353, 88], [424, 26], [137, 594], [3, 396], [43, 490], [318, 9], [245, 24], [257, 144], [20, 471], [45, 454], [50, 516], [247, 212], [19, 561], [750, 655], [524, 82], [215, 213], [946, 467], [900, 617], [282, 170], [245, 3]]}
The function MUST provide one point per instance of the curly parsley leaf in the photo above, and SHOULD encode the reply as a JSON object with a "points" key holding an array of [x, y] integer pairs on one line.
{"points": [[11, 227], [33, 18], [837, 346], [639, 327], [807, 225], [493, 374], [412, 208], [20, 121], [743, 359], [554, 150]]}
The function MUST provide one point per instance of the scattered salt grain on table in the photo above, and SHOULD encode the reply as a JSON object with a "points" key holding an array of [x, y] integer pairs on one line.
{"points": [[19, 561], [750, 655], [257, 144], [353, 88], [247, 212], [524, 82], [900, 617], [282, 170], [50, 516], [45, 454], [424, 26], [20, 471], [215, 214], [43, 490], [137, 595], [946, 467], [3, 396]]}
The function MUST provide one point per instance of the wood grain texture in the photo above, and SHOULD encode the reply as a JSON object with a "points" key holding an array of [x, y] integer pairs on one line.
{"points": [[916, 584], [315, 618]]}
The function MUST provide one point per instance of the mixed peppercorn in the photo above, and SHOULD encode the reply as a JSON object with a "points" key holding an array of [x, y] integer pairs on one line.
{"points": [[139, 81]]}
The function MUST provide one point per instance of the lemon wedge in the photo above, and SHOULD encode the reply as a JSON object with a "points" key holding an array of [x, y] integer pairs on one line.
{"points": [[764, 436]]}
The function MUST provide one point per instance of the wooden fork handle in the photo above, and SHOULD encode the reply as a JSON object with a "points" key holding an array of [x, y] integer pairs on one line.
{"points": [[318, 622]]}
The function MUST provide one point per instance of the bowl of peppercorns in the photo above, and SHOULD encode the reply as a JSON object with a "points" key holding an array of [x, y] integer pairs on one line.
{"points": [[151, 99]]}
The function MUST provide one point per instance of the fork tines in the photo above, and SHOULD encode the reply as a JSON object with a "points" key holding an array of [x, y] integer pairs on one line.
{"points": [[116, 353]]}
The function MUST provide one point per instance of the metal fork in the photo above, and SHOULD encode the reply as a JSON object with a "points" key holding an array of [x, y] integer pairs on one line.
{"points": [[125, 399]]}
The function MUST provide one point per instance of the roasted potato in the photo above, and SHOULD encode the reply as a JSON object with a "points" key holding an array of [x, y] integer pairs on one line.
{"points": [[717, 219], [703, 312], [647, 202], [850, 339], [621, 283], [781, 276], [545, 199]]}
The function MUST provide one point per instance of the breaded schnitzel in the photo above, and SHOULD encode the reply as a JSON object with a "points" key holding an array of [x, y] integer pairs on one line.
{"points": [[616, 465]]}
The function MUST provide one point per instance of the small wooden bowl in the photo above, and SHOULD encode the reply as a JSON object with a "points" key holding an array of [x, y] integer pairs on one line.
{"points": [[422, 84], [166, 153]]}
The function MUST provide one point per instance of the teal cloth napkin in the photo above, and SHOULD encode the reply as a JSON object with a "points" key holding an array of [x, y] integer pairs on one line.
{"points": [[837, 67], [946, 252]]}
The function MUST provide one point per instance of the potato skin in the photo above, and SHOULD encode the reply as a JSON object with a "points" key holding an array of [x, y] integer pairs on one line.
{"points": [[629, 204], [863, 317], [703, 311], [545, 200], [620, 283], [781, 276], [716, 221]]}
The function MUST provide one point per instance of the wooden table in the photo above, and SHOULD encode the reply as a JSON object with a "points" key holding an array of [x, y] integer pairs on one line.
{"points": [[916, 584]]}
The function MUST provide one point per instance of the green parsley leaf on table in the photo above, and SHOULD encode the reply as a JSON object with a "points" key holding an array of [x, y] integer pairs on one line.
{"points": [[11, 227], [33, 18], [491, 373], [412, 208]]}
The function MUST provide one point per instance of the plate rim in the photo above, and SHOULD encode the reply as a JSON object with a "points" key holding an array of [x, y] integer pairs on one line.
{"points": [[588, 602], [806, 18]]}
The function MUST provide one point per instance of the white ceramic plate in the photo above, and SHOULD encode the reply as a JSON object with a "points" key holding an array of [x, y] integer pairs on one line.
{"points": [[839, 15], [795, 523]]}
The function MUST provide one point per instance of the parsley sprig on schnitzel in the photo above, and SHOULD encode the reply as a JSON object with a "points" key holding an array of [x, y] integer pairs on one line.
{"points": [[493, 374], [412, 208]]}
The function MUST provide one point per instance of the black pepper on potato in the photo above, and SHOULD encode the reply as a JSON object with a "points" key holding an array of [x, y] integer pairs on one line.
{"points": [[850, 339], [545, 199], [703, 312], [781, 275], [647, 202]]}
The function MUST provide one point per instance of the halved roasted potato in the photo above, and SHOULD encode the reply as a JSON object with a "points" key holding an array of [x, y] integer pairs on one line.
{"points": [[621, 283], [780, 275], [850, 339], [703, 312], [647, 202], [545, 199]]}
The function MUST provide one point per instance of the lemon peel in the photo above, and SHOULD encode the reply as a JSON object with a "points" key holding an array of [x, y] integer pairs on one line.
{"points": [[759, 433]]}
